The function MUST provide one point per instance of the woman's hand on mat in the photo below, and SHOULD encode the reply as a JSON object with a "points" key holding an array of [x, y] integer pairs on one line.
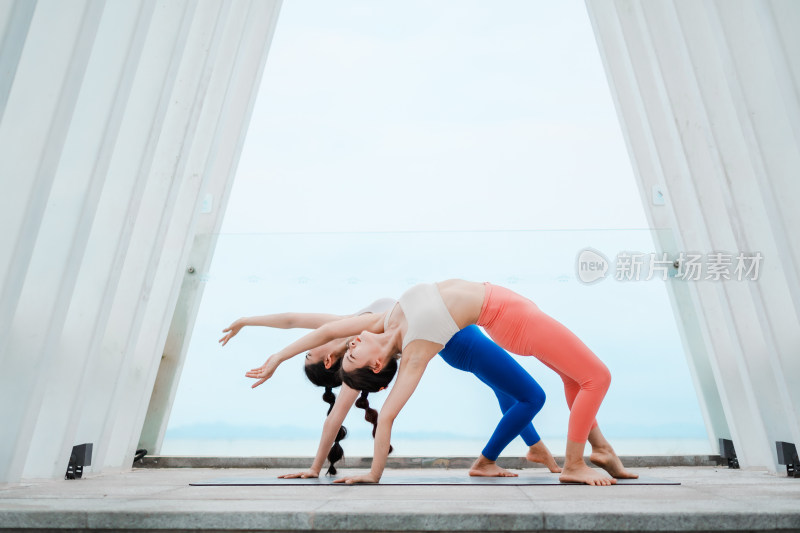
{"points": [[231, 331], [304, 475], [264, 372], [366, 478]]}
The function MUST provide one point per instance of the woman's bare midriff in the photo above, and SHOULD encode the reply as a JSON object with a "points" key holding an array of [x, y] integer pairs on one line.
{"points": [[463, 299]]}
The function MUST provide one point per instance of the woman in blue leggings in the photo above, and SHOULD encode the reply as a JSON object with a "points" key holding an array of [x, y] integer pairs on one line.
{"points": [[519, 395]]}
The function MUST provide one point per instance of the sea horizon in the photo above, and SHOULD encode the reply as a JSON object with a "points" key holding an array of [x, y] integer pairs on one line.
{"points": [[403, 447]]}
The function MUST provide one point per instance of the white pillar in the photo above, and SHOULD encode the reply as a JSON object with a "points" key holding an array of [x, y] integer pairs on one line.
{"points": [[38, 225], [91, 140], [707, 96], [218, 172], [111, 114]]}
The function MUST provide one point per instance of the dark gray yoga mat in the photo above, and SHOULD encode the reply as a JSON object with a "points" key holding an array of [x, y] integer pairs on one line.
{"points": [[443, 479]]}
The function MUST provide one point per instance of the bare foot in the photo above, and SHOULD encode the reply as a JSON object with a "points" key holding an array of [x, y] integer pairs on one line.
{"points": [[538, 453], [483, 467], [608, 461], [581, 473]]}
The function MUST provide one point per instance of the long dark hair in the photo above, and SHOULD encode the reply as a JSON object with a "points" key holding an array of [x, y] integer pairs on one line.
{"points": [[364, 379], [370, 414], [329, 378], [324, 377]]}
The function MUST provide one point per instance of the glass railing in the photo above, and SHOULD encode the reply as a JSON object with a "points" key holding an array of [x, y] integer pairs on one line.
{"points": [[579, 277]]}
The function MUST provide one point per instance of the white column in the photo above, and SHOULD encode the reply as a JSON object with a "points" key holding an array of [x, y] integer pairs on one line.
{"points": [[91, 139], [126, 212], [111, 116], [133, 329], [41, 213], [633, 107], [218, 172], [707, 96]]}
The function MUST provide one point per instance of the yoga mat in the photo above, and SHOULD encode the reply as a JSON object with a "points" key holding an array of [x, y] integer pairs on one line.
{"points": [[444, 479]]}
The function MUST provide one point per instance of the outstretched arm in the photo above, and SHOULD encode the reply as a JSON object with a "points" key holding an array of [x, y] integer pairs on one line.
{"points": [[280, 320], [344, 402], [415, 359], [327, 332]]}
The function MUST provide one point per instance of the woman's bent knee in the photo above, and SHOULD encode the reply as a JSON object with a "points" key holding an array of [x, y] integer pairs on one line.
{"points": [[539, 400], [598, 380], [602, 378]]}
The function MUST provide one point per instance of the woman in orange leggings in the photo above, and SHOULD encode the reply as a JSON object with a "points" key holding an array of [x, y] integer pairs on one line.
{"points": [[518, 325], [423, 321]]}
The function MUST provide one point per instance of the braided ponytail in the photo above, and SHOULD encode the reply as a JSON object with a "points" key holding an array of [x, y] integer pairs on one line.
{"points": [[330, 398], [336, 452], [370, 414]]}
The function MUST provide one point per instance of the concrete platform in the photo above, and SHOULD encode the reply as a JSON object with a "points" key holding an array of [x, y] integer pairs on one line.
{"points": [[708, 499], [395, 462]]}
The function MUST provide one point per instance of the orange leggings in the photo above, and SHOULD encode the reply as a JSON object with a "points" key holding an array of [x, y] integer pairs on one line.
{"points": [[518, 325]]}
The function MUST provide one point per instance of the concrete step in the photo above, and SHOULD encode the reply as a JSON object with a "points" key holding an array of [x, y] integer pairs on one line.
{"points": [[147, 500]]}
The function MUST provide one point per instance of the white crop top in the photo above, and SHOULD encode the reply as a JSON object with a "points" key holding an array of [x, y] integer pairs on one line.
{"points": [[427, 315]]}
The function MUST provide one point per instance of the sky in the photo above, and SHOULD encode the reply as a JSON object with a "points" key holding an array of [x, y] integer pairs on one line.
{"points": [[447, 115], [398, 142]]}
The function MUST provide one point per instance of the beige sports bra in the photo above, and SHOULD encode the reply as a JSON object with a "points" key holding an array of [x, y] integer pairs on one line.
{"points": [[427, 315]]}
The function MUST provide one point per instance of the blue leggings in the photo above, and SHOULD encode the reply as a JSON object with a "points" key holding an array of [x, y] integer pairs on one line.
{"points": [[519, 395]]}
